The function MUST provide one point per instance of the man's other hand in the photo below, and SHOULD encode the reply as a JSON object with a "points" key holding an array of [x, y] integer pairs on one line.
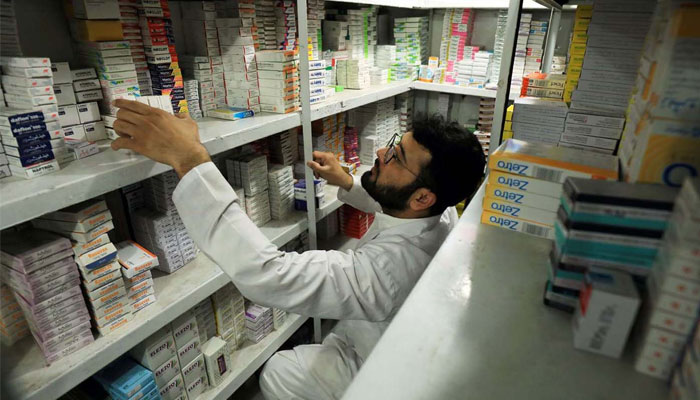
{"points": [[158, 135], [326, 166]]}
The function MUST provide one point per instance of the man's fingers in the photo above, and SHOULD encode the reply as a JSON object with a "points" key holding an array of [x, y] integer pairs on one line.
{"points": [[135, 106], [314, 166], [123, 143], [124, 128], [130, 116]]}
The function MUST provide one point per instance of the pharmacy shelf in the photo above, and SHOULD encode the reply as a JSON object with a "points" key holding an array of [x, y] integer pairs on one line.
{"points": [[251, 357], [481, 299], [454, 89], [331, 196], [25, 375], [84, 179], [349, 98]]}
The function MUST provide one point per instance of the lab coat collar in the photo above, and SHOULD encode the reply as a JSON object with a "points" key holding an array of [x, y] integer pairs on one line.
{"points": [[386, 224]]}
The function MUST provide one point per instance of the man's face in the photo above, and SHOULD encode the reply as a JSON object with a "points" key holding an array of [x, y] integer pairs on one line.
{"points": [[392, 184]]}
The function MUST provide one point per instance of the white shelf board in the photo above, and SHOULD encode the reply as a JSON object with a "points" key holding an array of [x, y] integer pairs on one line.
{"points": [[481, 299], [251, 357], [84, 179], [454, 89], [488, 4], [349, 98], [331, 196], [25, 375]]}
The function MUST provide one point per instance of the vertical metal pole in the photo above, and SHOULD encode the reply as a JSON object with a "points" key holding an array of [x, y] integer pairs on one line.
{"points": [[506, 71], [306, 132], [551, 41]]}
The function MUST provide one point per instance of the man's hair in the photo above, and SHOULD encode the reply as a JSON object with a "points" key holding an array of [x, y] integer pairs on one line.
{"points": [[457, 164]]}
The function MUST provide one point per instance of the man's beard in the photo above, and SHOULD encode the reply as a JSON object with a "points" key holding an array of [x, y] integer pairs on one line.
{"points": [[391, 198]]}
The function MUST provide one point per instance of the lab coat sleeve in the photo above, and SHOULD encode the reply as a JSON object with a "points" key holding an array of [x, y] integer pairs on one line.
{"points": [[358, 197], [327, 284]]}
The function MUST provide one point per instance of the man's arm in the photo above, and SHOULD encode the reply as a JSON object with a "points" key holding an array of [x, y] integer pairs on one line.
{"points": [[350, 190], [327, 284]]}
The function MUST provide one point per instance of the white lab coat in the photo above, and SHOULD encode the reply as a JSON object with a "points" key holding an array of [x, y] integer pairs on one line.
{"points": [[362, 288]]}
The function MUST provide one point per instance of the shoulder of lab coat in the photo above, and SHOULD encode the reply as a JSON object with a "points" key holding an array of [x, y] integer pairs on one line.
{"points": [[358, 197], [365, 284]]}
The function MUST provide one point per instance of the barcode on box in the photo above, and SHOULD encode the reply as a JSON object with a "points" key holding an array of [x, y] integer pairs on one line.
{"points": [[535, 229], [547, 174]]}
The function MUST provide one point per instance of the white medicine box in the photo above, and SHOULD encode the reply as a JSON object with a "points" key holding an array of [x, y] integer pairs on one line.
{"points": [[89, 112], [605, 312]]}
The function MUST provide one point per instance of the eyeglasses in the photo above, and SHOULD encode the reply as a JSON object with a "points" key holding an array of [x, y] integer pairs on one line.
{"points": [[391, 153]]}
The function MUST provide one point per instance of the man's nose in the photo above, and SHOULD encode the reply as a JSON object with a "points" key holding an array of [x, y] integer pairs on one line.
{"points": [[380, 154]]}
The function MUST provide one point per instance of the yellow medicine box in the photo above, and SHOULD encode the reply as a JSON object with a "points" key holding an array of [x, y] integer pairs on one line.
{"points": [[581, 24], [98, 30]]}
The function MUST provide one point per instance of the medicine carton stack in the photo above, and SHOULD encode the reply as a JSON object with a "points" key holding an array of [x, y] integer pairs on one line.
{"points": [[605, 224], [87, 225], [162, 59], [258, 322], [520, 53], [525, 184], [28, 141], [281, 190], [498, 47], [558, 66], [384, 56], [136, 263], [284, 147], [189, 350], [192, 97], [353, 222], [315, 14], [206, 321], [129, 17], [351, 146], [410, 35], [404, 104], [199, 21], [474, 69], [353, 73], [328, 135], [611, 60], [547, 86], [285, 12], [278, 77], [124, 379], [237, 43], [660, 143], [673, 290], [299, 244], [319, 81], [158, 355], [9, 36], [81, 123], [539, 120], [250, 172], [457, 27], [266, 24], [13, 325], [362, 33], [377, 123], [159, 227], [300, 194], [577, 49], [592, 132], [535, 44], [229, 312], [40, 269]]}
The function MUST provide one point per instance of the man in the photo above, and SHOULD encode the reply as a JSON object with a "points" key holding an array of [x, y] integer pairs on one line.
{"points": [[412, 187]]}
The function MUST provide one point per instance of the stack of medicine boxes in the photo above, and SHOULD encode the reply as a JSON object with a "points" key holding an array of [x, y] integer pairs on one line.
{"points": [[13, 325], [129, 17], [673, 289], [192, 97], [81, 123], [87, 224], [250, 173], [281, 191], [278, 78], [606, 224], [353, 222], [28, 139], [137, 263], [520, 53], [319, 80], [116, 71], [525, 184], [285, 12], [258, 322], [206, 321], [158, 353], [189, 344], [40, 268], [284, 147], [535, 44], [592, 132], [577, 49], [266, 24], [124, 379], [239, 67], [538, 120], [229, 311]]}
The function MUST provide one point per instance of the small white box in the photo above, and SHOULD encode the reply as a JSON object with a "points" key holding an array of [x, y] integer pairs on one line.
{"points": [[167, 371], [61, 73], [68, 116], [155, 350], [194, 369], [64, 94], [95, 131], [88, 95], [86, 84], [606, 312], [184, 328], [189, 351], [74, 133], [217, 359], [88, 112], [135, 259], [173, 390]]}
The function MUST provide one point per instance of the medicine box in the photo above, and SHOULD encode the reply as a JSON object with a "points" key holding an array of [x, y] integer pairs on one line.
{"points": [[217, 359], [156, 349], [606, 312], [184, 328], [517, 225], [165, 372], [124, 377]]}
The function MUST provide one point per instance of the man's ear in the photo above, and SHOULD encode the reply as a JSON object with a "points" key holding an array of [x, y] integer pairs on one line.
{"points": [[422, 199]]}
